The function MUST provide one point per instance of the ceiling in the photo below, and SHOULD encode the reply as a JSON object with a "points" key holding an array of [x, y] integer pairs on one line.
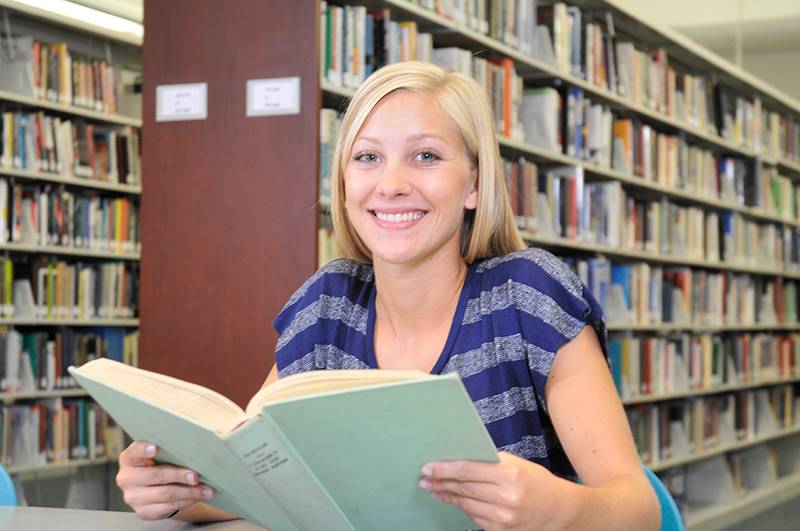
{"points": [[766, 25], [130, 9]]}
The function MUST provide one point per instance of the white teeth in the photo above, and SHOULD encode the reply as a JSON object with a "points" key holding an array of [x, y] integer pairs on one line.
{"points": [[399, 218]]}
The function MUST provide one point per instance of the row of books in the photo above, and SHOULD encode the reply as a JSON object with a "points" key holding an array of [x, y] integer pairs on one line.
{"points": [[679, 429], [726, 479], [681, 362], [39, 142], [560, 203], [330, 122], [48, 214], [60, 75], [641, 294], [499, 78], [773, 193], [356, 42], [586, 45], [53, 290], [57, 431], [589, 131], [659, 158], [39, 360], [746, 122], [513, 23]]}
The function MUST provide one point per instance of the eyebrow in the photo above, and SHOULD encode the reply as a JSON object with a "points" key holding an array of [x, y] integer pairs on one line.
{"points": [[417, 137]]}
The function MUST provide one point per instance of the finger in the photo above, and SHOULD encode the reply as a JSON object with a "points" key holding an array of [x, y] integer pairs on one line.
{"points": [[158, 511], [479, 510], [138, 453], [140, 476], [463, 471], [143, 496], [166, 474], [487, 492]]}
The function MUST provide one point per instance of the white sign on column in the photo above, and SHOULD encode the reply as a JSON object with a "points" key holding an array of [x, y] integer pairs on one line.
{"points": [[270, 97], [187, 101]]}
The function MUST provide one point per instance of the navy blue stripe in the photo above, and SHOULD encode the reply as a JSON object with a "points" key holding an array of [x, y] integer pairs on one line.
{"points": [[343, 337], [503, 376], [511, 429]]}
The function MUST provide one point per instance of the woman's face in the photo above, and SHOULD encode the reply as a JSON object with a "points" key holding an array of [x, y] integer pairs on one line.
{"points": [[408, 180]]}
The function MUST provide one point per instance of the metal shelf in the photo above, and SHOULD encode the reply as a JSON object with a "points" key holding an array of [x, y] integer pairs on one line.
{"points": [[73, 181], [719, 389], [719, 450], [553, 241], [68, 465], [70, 322], [724, 516], [116, 119], [8, 398], [67, 251]]}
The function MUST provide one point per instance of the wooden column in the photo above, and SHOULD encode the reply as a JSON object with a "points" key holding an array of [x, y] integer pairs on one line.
{"points": [[229, 222]]}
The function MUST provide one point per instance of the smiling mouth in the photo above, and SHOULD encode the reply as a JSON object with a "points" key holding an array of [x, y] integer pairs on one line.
{"points": [[398, 218]]}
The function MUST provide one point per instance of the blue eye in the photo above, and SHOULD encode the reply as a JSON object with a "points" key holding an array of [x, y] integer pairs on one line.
{"points": [[427, 156], [366, 157]]}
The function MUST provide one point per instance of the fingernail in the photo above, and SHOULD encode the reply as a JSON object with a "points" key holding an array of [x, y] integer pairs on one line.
{"points": [[427, 470], [424, 484], [150, 449], [208, 493], [190, 477], [438, 497]]}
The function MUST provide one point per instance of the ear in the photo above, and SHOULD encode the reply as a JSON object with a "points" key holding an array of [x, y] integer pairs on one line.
{"points": [[471, 202]]}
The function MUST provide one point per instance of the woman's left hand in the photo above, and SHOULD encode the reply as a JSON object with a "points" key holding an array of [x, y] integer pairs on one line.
{"points": [[512, 494]]}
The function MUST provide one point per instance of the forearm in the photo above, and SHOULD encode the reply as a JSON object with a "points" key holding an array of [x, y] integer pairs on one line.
{"points": [[202, 512], [623, 503]]}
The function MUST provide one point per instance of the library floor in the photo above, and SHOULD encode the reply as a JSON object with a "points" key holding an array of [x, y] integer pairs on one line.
{"points": [[784, 517]]}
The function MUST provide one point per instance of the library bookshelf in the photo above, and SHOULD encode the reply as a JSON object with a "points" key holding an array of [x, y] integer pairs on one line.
{"points": [[221, 221], [445, 28], [50, 318]]}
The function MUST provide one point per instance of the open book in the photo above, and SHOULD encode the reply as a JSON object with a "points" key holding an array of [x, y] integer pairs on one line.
{"points": [[333, 450]]}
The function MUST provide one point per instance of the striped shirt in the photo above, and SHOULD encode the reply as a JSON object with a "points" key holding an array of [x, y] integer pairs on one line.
{"points": [[513, 314]]}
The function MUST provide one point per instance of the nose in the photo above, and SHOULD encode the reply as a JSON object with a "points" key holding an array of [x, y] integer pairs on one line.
{"points": [[394, 181]]}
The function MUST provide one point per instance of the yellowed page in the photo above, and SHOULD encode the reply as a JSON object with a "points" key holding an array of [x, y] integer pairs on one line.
{"points": [[191, 400], [318, 382]]}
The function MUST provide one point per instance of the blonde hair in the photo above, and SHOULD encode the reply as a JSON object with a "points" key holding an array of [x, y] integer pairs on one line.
{"points": [[490, 229]]}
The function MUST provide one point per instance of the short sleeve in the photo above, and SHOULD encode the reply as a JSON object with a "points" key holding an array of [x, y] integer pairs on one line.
{"points": [[309, 322], [553, 307]]}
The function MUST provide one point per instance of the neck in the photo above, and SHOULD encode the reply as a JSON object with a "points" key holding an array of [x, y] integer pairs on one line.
{"points": [[413, 298]]}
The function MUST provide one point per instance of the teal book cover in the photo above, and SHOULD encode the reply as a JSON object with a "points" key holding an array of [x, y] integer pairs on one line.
{"points": [[339, 450]]}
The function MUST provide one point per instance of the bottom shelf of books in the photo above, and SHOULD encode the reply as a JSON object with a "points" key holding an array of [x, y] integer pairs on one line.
{"points": [[727, 489], [732, 476], [55, 433]]}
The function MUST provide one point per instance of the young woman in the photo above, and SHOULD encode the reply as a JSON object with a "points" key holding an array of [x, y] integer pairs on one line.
{"points": [[438, 279]]}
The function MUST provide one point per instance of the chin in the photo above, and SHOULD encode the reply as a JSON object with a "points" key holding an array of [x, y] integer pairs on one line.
{"points": [[395, 256]]}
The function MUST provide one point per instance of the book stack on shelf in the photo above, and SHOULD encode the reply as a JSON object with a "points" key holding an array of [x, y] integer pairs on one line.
{"points": [[70, 182], [668, 179]]}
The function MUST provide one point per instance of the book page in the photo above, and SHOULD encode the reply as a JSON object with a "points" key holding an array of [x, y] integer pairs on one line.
{"points": [[190, 400], [313, 383]]}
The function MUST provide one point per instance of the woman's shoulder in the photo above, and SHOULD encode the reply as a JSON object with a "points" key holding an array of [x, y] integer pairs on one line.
{"points": [[531, 267], [540, 285], [336, 273], [336, 279]]}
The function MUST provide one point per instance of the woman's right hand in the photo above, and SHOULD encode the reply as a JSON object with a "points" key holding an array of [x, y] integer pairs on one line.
{"points": [[157, 491]]}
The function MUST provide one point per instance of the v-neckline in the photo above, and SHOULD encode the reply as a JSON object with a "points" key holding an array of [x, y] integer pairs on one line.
{"points": [[455, 326]]}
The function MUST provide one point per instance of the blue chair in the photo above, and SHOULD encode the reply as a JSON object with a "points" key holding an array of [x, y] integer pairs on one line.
{"points": [[670, 515], [8, 494]]}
